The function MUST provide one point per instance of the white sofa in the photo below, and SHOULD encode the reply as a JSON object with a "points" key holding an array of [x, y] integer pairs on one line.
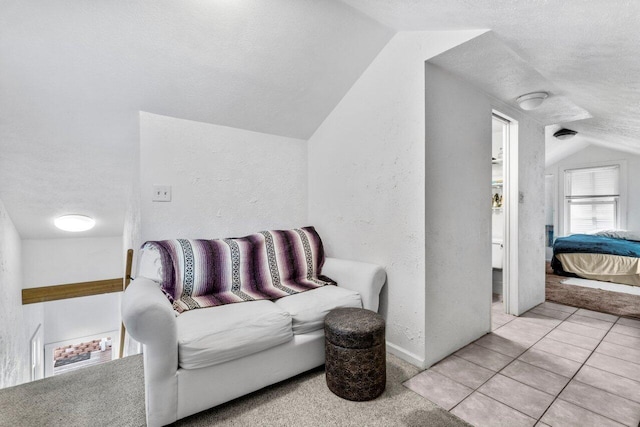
{"points": [[206, 357]]}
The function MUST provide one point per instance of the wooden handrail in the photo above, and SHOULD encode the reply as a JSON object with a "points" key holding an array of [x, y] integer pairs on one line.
{"points": [[71, 290], [127, 280], [82, 289]]}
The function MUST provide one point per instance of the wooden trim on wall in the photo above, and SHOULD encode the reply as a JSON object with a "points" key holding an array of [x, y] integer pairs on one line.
{"points": [[127, 280], [72, 290]]}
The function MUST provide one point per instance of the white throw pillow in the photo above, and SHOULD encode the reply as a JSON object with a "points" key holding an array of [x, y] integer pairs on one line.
{"points": [[619, 234]]}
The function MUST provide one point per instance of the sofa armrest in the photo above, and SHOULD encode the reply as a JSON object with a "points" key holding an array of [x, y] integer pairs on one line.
{"points": [[149, 318], [364, 278]]}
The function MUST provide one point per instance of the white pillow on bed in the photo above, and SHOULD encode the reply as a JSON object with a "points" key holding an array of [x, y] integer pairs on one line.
{"points": [[619, 234], [632, 235]]}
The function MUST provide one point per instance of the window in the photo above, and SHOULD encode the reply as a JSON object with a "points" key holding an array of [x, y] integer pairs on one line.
{"points": [[592, 199]]}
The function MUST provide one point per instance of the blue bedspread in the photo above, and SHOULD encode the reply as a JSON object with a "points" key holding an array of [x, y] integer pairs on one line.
{"points": [[588, 243]]}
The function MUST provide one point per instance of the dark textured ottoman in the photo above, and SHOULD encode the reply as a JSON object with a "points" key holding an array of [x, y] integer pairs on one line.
{"points": [[355, 351]]}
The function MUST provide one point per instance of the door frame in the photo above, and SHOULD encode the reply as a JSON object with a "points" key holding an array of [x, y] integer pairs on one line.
{"points": [[510, 209]]}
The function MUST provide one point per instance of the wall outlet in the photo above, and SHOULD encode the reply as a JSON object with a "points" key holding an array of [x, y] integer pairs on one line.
{"points": [[161, 193]]}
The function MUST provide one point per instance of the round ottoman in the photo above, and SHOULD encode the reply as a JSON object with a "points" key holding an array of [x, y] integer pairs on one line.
{"points": [[355, 352]]}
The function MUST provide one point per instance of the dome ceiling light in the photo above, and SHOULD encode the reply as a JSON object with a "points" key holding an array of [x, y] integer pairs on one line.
{"points": [[563, 134], [532, 100], [74, 223]]}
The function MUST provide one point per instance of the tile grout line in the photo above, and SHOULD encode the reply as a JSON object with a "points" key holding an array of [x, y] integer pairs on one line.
{"points": [[587, 409], [572, 378], [473, 363], [502, 403], [626, 335], [574, 375], [515, 358], [615, 357], [629, 318], [530, 347], [601, 340], [582, 364], [590, 326]]}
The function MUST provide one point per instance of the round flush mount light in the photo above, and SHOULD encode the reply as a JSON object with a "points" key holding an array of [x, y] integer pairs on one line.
{"points": [[565, 134], [74, 223], [531, 101]]}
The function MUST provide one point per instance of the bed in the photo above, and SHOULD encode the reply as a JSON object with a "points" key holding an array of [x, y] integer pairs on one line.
{"points": [[602, 256]]}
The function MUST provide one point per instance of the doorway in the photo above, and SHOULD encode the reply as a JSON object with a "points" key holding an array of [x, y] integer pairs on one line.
{"points": [[499, 132], [504, 212]]}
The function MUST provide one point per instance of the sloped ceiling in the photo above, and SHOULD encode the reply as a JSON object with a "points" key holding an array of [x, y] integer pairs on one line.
{"points": [[74, 74], [589, 51], [488, 63]]}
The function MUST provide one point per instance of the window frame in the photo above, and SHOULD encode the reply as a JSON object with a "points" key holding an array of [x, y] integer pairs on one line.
{"points": [[621, 209]]}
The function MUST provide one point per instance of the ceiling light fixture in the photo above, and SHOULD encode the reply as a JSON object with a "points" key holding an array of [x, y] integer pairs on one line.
{"points": [[74, 223], [565, 134], [532, 100]]}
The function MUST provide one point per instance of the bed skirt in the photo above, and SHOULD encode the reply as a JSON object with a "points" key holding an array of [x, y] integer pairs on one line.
{"points": [[603, 267]]}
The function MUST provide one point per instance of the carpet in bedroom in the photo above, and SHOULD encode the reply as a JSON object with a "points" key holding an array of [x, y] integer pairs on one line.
{"points": [[592, 299], [112, 394]]}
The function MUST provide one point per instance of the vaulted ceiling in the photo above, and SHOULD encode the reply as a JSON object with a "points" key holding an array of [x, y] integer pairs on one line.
{"points": [[589, 52], [74, 74]]}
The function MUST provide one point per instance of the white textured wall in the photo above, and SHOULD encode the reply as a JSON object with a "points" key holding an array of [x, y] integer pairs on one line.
{"points": [[131, 233], [596, 154], [74, 75], [367, 179], [458, 213], [225, 181], [131, 238], [14, 348], [73, 318], [531, 253], [49, 262]]}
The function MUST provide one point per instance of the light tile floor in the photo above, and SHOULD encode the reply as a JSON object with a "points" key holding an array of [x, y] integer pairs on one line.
{"points": [[553, 366]]}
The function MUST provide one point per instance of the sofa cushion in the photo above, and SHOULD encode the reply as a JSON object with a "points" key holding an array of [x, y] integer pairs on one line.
{"points": [[308, 309], [215, 335]]}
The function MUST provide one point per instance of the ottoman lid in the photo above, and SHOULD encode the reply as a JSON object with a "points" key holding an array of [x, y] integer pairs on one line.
{"points": [[354, 328]]}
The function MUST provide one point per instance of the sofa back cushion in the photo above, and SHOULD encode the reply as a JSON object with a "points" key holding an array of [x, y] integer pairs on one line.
{"points": [[265, 265]]}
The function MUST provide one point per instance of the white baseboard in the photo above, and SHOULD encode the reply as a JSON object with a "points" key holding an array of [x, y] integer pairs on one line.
{"points": [[405, 355]]}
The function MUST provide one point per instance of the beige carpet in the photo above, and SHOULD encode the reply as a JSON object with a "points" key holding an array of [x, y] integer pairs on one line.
{"points": [[306, 401], [112, 394], [590, 298]]}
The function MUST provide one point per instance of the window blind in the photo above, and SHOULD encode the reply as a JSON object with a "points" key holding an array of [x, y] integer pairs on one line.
{"points": [[592, 196], [593, 182]]}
